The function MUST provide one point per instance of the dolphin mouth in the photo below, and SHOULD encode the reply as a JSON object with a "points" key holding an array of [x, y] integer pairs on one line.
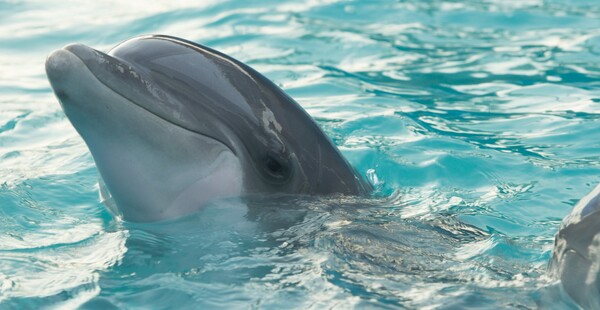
{"points": [[112, 72]]}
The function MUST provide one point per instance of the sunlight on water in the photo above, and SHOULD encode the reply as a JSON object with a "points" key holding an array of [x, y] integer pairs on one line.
{"points": [[476, 121]]}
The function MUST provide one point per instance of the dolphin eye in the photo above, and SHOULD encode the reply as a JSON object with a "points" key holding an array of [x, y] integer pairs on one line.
{"points": [[275, 167]]}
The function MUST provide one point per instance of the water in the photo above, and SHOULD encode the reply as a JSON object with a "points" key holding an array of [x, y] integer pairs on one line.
{"points": [[477, 120]]}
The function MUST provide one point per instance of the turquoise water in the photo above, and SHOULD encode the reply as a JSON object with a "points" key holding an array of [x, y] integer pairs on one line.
{"points": [[477, 121]]}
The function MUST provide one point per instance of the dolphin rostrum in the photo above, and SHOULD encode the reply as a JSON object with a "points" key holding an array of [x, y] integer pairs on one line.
{"points": [[172, 124]]}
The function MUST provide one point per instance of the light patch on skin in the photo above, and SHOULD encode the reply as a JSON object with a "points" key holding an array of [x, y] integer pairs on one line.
{"points": [[559, 253], [101, 59], [149, 87], [594, 257], [268, 118]]}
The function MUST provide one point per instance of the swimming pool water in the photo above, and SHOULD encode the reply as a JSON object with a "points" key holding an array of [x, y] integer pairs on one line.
{"points": [[477, 121]]}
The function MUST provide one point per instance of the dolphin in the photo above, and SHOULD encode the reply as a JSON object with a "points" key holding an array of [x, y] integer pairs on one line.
{"points": [[576, 254], [173, 125]]}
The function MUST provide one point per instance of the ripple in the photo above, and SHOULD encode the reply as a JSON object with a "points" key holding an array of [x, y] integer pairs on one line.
{"points": [[476, 120], [58, 268]]}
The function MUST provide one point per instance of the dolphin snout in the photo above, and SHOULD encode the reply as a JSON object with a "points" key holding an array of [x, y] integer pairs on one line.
{"points": [[66, 67], [58, 65], [62, 62], [68, 72]]}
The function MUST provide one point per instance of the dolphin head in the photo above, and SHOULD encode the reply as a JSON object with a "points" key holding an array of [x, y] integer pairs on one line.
{"points": [[576, 255], [172, 125]]}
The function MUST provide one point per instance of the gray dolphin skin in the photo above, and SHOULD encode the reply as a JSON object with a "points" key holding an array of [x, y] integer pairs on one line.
{"points": [[576, 255], [172, 125]]}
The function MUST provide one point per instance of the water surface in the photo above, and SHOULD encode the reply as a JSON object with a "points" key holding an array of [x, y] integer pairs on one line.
{"points": [[477, 121]]}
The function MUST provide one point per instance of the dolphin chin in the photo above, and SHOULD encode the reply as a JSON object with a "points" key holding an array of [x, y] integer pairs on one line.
{"points": [[172, 125]]}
